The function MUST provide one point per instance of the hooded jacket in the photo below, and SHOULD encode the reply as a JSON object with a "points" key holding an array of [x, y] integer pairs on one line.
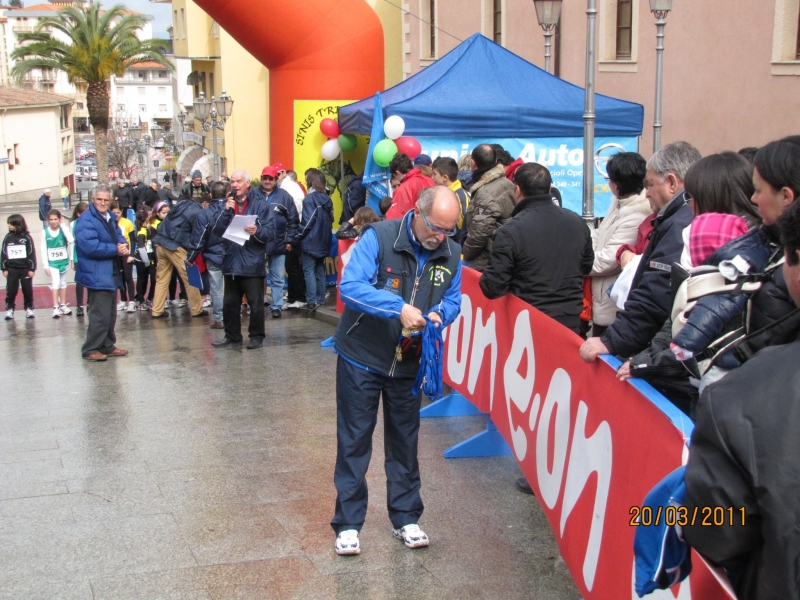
{"points": [[619, 227], [407, 193], [355, 197], [492, 203], [541, 256], [204, 241], [250, 259], [649, 302], [283, 213], [317, 225], [176, 230], [96, 241], [744, 457], [44, 207]]}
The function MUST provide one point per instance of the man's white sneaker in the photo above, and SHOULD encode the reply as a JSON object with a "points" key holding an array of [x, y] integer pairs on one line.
{"points": [[347, 543], [131, 306], [64, 309], [29, 313], [56, 313], [9, 314], [412, 536], [121, 306]]}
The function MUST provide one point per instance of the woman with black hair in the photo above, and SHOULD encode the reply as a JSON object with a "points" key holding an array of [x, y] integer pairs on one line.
{"points": [[18, 263]]}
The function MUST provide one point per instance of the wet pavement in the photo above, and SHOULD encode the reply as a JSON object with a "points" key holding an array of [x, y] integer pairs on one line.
{"points": [[182, 471]]}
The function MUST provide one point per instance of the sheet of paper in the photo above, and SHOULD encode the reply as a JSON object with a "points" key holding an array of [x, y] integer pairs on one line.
{"points": [[235, 231]]}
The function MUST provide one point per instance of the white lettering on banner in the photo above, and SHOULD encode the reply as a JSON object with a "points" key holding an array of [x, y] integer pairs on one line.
{"points": [[518, 388], [552, 157], [588, 455], [455, 368], [557, 396], [485, 335]]}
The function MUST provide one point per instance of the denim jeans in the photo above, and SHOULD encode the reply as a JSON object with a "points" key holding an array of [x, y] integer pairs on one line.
{"points": [[215, 277], [277, 277], [314, 271]]}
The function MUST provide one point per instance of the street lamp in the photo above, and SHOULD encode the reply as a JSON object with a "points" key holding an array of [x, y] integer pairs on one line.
{"points": [[547, 12], [181, 122], [660, 9], [135, 133], [218, 109], [589, 115]]}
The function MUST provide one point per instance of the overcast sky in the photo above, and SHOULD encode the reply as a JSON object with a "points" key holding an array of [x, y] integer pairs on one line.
{"points": [[161, 12]]}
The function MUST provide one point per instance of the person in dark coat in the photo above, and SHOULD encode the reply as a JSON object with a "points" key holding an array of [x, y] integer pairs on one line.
{"points": [[354, 198], [649, 301], [743, 461], [315, 237], [124, 195], [99, 242], [195, 188], [44, 206], [149, 195], [542, 254], [243, 266]]}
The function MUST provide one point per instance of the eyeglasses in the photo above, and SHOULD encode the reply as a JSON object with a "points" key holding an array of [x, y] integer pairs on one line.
{"points": [[267, 178], [439, 230]]}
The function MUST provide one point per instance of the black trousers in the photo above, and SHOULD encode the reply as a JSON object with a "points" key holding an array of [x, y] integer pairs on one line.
{"points": [[143, 275], [15, 279], [126, 292], [100, 336], [294, 270], [253, 289], [79, 289], [358, 393], [174, 282]]}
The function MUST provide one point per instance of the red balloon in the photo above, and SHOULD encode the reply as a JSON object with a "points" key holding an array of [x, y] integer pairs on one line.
{"points": [[330, 128], [409, 146]]}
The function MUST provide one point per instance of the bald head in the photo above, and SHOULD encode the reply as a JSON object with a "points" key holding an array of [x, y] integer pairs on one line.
{"points": [[435, 215]]}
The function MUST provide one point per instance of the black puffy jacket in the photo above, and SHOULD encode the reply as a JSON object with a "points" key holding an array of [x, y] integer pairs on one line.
{"points": [[650, 302], [316, 227], [354, 198], [283, 212], [250, 259], [176, 230]]}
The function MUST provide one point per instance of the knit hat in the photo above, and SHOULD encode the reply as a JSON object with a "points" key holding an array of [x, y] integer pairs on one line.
{"points": [[196, 173], [711, 231]]}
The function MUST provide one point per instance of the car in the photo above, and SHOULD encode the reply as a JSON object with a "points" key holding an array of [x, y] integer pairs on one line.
{"points": [[93, 173]]}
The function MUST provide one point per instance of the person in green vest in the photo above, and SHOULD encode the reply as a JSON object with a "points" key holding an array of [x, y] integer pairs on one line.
{"points": [[57, 243]]}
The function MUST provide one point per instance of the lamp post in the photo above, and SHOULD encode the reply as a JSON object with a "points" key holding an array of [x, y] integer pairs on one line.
{"points": [[218, 110], [589, 115], [181, 120], [547, 12], [135, 134], [660, 9], [156, 132]]}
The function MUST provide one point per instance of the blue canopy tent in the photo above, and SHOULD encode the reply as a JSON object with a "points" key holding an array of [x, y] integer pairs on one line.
{"points": [[482, 89]]}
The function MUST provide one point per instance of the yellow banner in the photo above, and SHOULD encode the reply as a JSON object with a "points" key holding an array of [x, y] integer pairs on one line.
{"points": [[308, 141]]}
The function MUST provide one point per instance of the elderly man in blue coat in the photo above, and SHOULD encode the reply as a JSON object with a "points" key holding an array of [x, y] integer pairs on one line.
{"points": [[99, 242]]}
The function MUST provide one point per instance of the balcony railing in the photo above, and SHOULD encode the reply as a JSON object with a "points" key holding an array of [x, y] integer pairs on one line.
{"points": [[69, 156]]}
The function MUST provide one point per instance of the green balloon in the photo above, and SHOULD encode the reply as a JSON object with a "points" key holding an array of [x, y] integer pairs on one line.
{"points": [[384, 152], [347, 142]]}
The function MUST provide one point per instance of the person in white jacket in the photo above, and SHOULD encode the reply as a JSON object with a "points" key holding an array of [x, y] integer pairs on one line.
{"points": [[626, 173]]}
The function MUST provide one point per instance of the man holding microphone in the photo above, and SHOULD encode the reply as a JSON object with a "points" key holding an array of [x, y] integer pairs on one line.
{"points": [[243, 266]]}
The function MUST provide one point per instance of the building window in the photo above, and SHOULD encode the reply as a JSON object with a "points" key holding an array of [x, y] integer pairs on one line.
{"points": [[79, 105], [215, 29], [183, 24], [786, 38], [162, 107], [162, 74], [433, 28], [624, 29], [427, 29], [162, 91], [797, 50], [142, 91], [16, 154], [120, 91], [143, 108], [497, 23], [121, 107]]}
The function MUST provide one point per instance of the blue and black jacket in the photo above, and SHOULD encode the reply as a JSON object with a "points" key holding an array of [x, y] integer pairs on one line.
{"points": [[250, 259], [283, 212]]}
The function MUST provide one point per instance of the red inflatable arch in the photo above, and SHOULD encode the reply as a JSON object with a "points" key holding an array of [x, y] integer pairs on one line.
{"points": [[314, 50]]}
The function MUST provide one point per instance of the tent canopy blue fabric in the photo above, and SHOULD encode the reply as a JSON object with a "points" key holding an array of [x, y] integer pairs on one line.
{"points": [[482, 89]]}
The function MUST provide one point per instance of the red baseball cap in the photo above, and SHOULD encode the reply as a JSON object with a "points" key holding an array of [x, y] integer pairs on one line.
{"points": [[279, 167], [271, 171]]}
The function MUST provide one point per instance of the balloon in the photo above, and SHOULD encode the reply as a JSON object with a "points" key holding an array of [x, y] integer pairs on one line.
{"points": [[394, 127], [330, 149], [384, 152], [347, 142], [408, 146], [330, 128]]}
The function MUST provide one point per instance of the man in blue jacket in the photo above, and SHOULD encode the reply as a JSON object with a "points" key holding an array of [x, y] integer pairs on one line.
{"points": [[99, 242], [204, 241], [283, 212], [649, 302], [243, 265], [44, 205], [398, 271]]}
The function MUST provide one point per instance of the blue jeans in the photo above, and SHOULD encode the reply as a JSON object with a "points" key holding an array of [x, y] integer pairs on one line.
{"points": [[215, 278], [277, 277], [314, 272]]}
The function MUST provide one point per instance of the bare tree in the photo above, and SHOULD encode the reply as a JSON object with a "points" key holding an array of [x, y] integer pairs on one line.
{"points": [[121, 149]]}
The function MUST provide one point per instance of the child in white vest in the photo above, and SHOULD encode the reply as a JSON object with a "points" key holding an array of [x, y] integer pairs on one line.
{"points": [[56, 246]]}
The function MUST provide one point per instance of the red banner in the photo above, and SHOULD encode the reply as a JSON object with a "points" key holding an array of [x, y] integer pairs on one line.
{"points": [[590, 446]]}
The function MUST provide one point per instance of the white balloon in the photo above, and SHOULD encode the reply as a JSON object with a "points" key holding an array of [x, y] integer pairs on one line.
{"points": [[394, 127], [330, 149]]}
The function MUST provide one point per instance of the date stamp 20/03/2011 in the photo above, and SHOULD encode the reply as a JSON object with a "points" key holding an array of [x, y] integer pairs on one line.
{"points": [[705, 516]]}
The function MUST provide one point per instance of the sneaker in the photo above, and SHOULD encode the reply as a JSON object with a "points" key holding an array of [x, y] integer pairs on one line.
{"points": [[206, 302], [181, 303], [327, 295], [296, 304], [64, 310], [347, 543], [311, 309], [56, 313], [121, 306], [143, 307], [29, 313], [9, 314], [149, 304], [79, 311], [131, 306], [276, 314], [412, 536]]}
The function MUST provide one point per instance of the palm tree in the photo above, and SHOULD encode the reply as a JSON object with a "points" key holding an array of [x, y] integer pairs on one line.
{"points": [[101, 43]]}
